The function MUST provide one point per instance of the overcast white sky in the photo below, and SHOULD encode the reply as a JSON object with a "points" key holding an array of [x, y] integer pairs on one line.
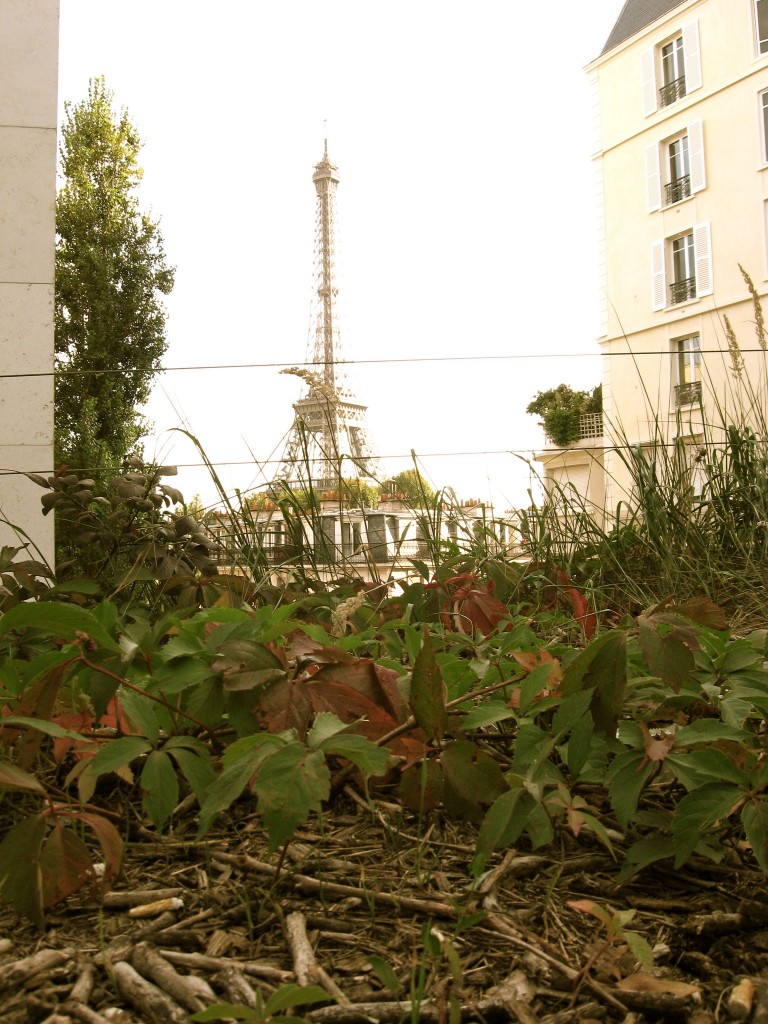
{"points": [[463, 136]]}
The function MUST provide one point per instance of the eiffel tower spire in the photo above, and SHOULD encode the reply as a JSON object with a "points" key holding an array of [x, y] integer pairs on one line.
{"points": [[329, 438]]}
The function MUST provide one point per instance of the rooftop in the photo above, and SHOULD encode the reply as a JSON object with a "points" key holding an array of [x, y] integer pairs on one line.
{"points": [[635, 16]]}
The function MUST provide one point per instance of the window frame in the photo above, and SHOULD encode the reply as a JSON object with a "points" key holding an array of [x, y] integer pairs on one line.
{"points": [[658, 168], [653, 79], [761, 43], [672, 80], [663, 265], [682, 260], [688, 370], [762, 100], [688, 358]]}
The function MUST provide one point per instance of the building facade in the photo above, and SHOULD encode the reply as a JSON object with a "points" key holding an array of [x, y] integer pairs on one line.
{"points": [[681, 123], [29, 39], [334, 541]]}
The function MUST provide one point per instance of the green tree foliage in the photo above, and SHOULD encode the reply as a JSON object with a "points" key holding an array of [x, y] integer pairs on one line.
{"points": [[561, 409], [111, 272], [418, 493]]}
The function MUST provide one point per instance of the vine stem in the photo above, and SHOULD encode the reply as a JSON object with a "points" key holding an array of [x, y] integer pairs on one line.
{"points": [[144, 693]]}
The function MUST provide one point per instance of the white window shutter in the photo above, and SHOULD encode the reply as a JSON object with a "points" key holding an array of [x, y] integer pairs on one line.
{"points": [[692, 56], [696, 156], [653, 178], [658, 276], [702, 254], [648, 73]]}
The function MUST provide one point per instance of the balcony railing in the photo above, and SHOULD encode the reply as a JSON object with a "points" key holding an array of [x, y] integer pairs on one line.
{"points": [[679, 291], [590, 425], [672, 91], [688, 394], [678, 189]]}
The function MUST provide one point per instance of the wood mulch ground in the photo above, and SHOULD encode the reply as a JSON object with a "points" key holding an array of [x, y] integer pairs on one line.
{"points": [[378, 910]]}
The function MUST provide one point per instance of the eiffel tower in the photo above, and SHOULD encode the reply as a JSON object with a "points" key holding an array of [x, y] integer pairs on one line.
{"points": [[329, 438]]}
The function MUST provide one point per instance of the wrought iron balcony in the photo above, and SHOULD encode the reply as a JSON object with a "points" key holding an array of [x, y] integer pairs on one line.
{"points": [[678, 189], [672, 91], [688, 394], [679, 291]]}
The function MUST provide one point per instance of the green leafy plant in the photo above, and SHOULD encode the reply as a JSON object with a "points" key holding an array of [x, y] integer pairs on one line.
{"points": [[287, 997], [561, 409], [613, 923]]}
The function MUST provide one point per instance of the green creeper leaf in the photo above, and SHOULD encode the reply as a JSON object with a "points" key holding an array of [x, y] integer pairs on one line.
{"points": [[699, 766], [21, 881], [503, 823], [224, 791], [591, 822], [195, 766], [288, 996], [141, 712], [79, 586], [580, 744], [754, 818], [534, 683], [385, 973], [489, 713], [291, 784], [603, 666], [667, 643], [118, 753], [707, 730], [181, 674], [645, 852], [325, 725], [228, 1011], [365, 755], [739, 655], [159, 788], [59, 620], [570, 711], [428, 695], [640, 949], [206, 701], [474, 775], [629, 774], [12, 777], [42, 725], [697, 811]]}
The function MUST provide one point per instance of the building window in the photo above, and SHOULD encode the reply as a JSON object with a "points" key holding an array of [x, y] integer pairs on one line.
{"points": [[764, 124], [687, 355], [683, 284], [675, 168], [681, 267], [672, 73], [679, 185], [672, 69], [761, 25]]}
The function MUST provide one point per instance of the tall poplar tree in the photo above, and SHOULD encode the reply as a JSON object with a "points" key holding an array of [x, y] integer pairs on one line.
{"points": [[111, 274]]}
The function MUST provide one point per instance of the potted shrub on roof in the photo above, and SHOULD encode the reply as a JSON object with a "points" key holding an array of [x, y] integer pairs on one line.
{"points": [[561, 409]]}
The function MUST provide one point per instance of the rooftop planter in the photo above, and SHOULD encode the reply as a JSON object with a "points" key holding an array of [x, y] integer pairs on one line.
{"points": [[567, 415]]}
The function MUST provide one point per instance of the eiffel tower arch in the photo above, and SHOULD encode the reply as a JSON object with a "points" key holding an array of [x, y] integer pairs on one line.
{"points": [[329, 437]]}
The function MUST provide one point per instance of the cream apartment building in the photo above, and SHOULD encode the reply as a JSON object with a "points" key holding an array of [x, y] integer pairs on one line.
{"points": [[29, 37], [681, 122]]}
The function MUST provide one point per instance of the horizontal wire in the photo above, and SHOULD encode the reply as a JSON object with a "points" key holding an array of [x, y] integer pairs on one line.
{"points": [[518, 453], [370, 362]]}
